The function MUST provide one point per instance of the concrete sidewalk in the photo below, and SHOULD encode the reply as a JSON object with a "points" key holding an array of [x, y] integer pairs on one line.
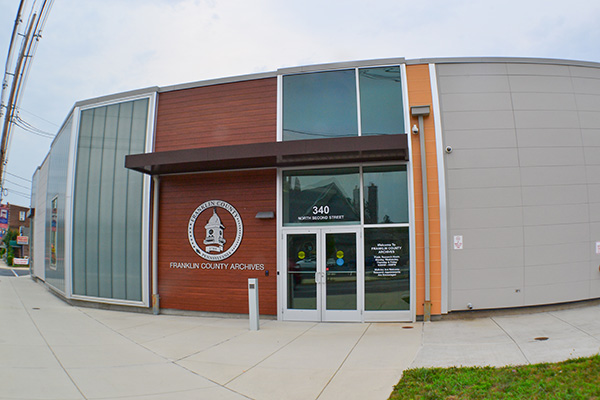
{"points": [[51, 350]]}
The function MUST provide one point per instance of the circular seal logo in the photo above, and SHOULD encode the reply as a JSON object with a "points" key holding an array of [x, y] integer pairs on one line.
{"points": [[215, 231]]}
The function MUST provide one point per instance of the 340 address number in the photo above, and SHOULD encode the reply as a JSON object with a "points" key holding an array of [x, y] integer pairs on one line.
{"points": [[322, 210]]}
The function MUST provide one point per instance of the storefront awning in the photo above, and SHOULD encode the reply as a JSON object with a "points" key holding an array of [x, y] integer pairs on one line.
{"points": [[274, 154]]}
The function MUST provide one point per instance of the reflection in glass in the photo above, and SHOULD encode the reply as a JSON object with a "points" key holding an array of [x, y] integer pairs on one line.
{"points": [[381, 107], [319, 105], [387, 277], [321, 196], [385, 194], [58, 160], [340, 271], [301, 269]]}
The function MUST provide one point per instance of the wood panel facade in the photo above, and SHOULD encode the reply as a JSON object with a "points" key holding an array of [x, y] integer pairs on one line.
{"points": [[217, 115], [200, 287]]}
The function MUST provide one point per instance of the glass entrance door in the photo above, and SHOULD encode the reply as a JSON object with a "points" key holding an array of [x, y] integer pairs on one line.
{"points": [[324, 275]]}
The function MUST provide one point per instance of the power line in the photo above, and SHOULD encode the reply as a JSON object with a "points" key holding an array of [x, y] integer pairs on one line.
{"points": [[17, 176], [26, 126], [11, 191], [37, 116], [15, 183]]}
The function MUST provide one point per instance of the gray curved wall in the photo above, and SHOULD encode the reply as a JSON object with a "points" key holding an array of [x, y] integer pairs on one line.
{"points": [[522, 182]]}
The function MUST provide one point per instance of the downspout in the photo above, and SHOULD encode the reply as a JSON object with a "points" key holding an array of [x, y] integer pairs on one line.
{"points": [[155, 296], [420, 112]]}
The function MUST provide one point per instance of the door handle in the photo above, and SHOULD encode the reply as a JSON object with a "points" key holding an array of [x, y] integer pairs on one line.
{"points": [[319, 277]]}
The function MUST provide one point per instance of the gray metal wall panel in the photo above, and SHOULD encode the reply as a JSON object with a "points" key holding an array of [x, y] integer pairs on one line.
{"points": [[550, 254], [550, 156], [496, 217], [549, 137], [473, 84], [541, 84], [588, 102], [473, 69], [591, 137], [555, 214], [523, 182], [586, 85], [552, 234], [39, 222], [485, 197], [548, 274], [477, 139], [537, 69], [478, 120], [551, 119], [482, 158], [477, 101], [554, 195], [593, 173], [544, 101], [487, 258], [589, 119], [585, 72], [482, 178], [553, 175]]}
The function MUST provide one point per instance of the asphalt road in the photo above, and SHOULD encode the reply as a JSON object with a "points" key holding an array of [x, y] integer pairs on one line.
{"points": [[14, 271]]}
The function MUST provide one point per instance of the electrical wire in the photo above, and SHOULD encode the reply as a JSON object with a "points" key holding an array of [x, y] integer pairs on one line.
{"points": [[19, 109], [21, 123], [15, 183], [10, 191], [17, 176]]}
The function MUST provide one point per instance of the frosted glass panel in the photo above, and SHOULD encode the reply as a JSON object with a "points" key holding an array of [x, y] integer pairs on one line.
{"points": [[107, 240], [55, 216]]}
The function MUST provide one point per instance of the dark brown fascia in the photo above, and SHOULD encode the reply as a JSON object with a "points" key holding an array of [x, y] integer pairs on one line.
{"points": [[273, 154]]}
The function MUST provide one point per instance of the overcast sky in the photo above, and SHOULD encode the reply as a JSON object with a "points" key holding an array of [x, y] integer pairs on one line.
{"points": [[92, 48]]}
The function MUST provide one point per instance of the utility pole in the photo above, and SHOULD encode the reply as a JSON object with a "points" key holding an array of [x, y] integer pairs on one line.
{"points": [[12, 101], [29, 40]]}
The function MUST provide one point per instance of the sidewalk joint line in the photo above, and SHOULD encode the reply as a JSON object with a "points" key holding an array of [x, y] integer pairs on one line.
{"points": [[511, 338], [574, 326], [270, 355], [343, 361], [47, 344], [167, 360]]}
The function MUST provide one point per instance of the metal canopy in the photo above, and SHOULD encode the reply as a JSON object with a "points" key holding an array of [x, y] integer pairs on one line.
{"points": [[274, 154]]}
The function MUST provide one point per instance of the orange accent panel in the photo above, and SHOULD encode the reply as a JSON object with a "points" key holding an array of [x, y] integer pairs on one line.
{"points": [[419, 93]]}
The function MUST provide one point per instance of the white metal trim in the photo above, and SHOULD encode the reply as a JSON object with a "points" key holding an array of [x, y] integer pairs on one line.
{"points": [[146, 189], [279, 108], [411, 199], [279, 246], [359, 227], [69, 197], [358, 110], [109, 301], [125, 99], [441, 187]]}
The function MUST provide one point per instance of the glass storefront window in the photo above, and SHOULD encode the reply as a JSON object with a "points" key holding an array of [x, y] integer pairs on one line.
{"points": [[387, 269], [321, 196], [385, 195], [381, 108], [320, 105], [324, 104]]}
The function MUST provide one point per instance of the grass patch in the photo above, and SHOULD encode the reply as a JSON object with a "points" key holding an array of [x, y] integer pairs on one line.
{"points": [[572, 379]]}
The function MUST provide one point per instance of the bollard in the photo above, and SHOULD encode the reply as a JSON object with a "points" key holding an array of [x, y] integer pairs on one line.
{"points": [[253, 303]]}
